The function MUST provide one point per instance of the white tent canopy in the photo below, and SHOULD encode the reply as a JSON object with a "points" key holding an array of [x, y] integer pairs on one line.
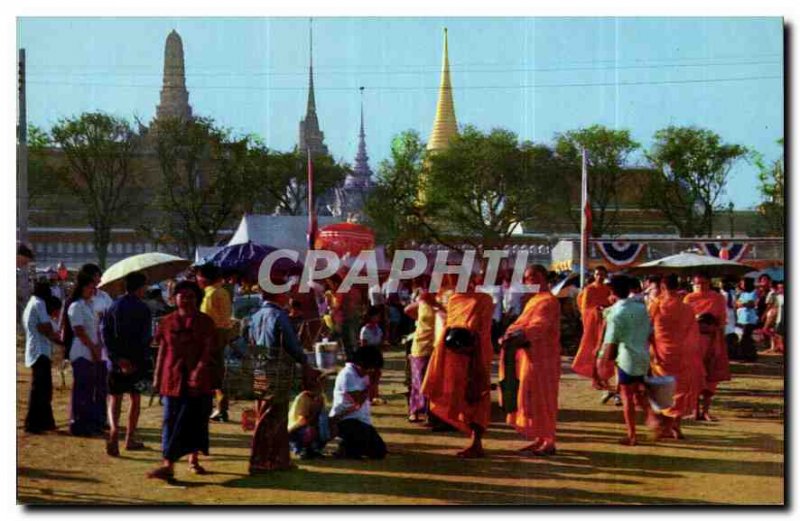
{"points": [[278, 231]]}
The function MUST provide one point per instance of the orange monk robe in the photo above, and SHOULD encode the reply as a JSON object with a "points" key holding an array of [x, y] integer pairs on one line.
{"points": [[448, 373], [589, 299], [717, 364], [674, 350], [538, 368]]}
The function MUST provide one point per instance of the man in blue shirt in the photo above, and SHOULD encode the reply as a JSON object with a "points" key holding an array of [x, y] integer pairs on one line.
{"points": [[747, 319], [626, 341], [277, 352], [127, 330]]}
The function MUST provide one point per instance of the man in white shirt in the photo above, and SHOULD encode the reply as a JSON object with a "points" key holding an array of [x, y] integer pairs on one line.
{"points": [[351, 407], [39, 336]]}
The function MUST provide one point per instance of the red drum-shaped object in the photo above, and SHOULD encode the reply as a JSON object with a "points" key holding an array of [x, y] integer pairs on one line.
{"points": [[344, 238]]}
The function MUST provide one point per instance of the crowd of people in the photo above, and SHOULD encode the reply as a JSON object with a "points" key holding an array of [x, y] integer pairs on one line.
{"points": [[683, 330]]}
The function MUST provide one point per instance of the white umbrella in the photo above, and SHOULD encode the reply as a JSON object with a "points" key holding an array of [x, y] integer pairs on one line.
{"points": [[156, 267], [689, 263]]}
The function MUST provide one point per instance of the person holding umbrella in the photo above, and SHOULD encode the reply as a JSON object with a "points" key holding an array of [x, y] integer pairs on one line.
{"points": [[126, 331]]}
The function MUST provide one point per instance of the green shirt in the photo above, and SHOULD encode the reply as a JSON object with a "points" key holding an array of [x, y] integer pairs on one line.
{"points": [[628, 326]]}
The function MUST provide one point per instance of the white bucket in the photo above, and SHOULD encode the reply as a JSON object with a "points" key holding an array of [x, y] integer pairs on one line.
{"points": [[325, 354], [660, 391]]}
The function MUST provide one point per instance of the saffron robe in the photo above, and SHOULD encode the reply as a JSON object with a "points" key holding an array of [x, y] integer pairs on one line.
{"points": [[716, 356], [451, 376], [675, 352], [589, 299], [538, 368]]}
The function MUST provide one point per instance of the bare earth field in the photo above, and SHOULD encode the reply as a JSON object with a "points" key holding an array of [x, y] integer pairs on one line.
{"points": [[739, 460]]}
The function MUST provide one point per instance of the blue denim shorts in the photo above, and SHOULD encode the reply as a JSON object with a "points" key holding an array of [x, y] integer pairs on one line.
{"points": [[624, 378]]}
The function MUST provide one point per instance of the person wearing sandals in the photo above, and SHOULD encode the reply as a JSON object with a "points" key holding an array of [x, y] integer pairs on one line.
{"points": [[126, 332], [626, 344], [186, 339], [532, 345]]}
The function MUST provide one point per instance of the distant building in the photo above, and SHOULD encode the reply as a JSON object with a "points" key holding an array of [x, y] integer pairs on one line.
{"points": [[352, 195]]}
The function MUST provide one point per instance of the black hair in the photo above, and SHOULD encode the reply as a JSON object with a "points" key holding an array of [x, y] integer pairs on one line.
{"points": [[91, 269], [671, 282], [210, 272], [749, 284], [601, 267], [702, 274], [42, 290], [621, 286], [369, 357], [134, 281], [188, 284], [52, 304], [23, 250], [635, 284], [656, 278], [82, 280]]}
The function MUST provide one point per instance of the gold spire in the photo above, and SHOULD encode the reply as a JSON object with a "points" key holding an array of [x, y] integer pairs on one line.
{"points": [[444, 126]]}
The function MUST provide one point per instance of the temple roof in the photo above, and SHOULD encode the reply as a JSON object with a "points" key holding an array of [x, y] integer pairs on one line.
{"points": [[444, 125]]}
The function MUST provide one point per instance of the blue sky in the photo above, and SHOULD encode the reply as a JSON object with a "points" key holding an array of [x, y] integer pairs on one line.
{"points": [[534, 76]]}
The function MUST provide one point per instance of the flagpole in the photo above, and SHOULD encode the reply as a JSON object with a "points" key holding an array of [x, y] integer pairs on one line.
{"points": [[312, 231], [584, 197]]}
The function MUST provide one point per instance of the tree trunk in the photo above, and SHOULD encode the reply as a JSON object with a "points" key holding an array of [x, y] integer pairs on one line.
{"points": [[102, 238]]}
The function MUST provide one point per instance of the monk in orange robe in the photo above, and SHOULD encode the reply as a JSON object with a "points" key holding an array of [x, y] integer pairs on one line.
{"points": [[704, 300], [673, 352], [538, 367], [591, 300], [458, 383]]}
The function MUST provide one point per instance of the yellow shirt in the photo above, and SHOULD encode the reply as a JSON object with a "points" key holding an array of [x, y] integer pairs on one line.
{"points": [[305, 405], [217, 304], [424, 335]]}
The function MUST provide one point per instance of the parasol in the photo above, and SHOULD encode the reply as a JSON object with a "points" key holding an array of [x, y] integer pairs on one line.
{"points": [[689, 263], [245, 259], [156, 267], [344, 238]]}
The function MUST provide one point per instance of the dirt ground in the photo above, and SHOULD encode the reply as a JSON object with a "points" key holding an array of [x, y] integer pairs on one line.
{"points": [[738, 460]]}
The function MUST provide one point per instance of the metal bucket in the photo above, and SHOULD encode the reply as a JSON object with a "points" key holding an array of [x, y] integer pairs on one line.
{"points": [[325, 354], [660, 391]]}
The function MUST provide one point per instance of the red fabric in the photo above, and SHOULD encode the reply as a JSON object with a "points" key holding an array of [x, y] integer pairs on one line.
{"points": [[538, 368], [185, 348], [716, 356], [675, 351], [451, 374], [589, 300]]}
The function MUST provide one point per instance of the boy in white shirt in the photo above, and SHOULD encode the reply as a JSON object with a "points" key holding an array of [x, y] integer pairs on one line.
{"points": [[351, 407]]}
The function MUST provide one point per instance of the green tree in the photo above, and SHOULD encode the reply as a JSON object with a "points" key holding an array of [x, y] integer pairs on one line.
{"points": [[204, 181], [280, 179], [42, 177], [607, 152], [486, 184], [98, 149], [771, 179], [692, 169], [392, 207]]}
